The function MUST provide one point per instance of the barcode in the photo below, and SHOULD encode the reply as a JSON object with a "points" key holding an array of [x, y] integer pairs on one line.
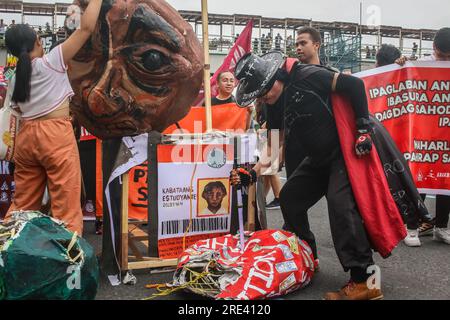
{"points": [[207, 224]]}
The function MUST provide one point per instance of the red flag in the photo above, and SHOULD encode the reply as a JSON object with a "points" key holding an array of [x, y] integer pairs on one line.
{"points": [[242, 46]]}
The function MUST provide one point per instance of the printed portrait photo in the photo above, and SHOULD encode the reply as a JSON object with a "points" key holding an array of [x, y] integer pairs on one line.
{"points": [[213, 197]]}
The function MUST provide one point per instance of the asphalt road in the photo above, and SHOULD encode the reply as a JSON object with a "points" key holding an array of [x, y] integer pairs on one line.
{"points": [[409, 274]]}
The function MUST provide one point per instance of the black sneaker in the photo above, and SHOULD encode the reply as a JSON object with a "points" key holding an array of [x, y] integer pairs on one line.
{"points": [[275, 204], [426, 229]]}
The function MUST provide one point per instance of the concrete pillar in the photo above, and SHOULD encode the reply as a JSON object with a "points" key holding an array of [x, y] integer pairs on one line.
{"points": [[420, 44], [55, 16], [221, 36], [23, 16], [285, 36], [260, 34], [380, 37], [233, 27]]}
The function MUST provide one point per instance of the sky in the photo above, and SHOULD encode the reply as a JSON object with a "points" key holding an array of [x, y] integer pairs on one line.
{"points": [[423, 14], [429, 14]]}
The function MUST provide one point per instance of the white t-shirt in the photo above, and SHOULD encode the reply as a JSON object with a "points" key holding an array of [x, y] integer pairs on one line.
{"points": [[50, 85], [208, 212]]}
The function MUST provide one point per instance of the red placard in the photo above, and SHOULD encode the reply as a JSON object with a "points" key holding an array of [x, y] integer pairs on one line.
{"points": [[413, 103]]}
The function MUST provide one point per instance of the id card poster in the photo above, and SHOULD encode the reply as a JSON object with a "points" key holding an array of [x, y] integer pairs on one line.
{"points": [[194, 195]]}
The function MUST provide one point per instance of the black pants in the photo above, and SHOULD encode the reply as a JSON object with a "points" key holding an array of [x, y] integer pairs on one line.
{"points": [[294, 156], [307, 185], [442, 210]]}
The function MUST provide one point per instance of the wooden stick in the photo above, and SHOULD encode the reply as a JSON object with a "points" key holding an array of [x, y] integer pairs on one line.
{"points": [[157, 263], [207, 66], [124, 223]]}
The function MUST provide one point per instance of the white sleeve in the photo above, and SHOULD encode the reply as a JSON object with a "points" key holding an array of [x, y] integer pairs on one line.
{"points": [[54, 59]]}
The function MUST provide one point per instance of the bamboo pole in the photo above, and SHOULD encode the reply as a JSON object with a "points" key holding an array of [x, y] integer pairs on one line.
{"points": [[207, 66], [124, 222], [251, 207]]}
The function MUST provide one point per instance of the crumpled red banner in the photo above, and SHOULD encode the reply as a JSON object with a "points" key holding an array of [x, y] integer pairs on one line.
{"points": [[274, 263]]}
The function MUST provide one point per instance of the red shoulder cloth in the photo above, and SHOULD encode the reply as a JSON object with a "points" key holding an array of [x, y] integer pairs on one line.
{"points": [[289, 64], [382, 220]]}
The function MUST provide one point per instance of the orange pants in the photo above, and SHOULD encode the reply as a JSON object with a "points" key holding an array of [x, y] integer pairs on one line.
{"points": [[47, 154]]}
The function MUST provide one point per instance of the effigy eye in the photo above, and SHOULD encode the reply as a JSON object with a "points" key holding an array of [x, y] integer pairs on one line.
{"points": [[153, 60]]}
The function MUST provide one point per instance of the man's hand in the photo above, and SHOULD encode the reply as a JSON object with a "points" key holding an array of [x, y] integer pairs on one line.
{"points": [[234, 178], [242, 177], [363, 144], [401, 61]]}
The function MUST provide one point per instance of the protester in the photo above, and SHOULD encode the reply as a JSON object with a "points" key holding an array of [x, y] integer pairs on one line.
{"points": [[374, 52], [263, 44], [368, 52], [278, 40], [13, 23], [308, 43], [387, 54], [271, 181], [441, 48], [256, 45], [48, 29], [226, 85], [414, 51], [441, 231], [46, 149], [269, 41], [2, 27], [305, 94], [60, 34]]}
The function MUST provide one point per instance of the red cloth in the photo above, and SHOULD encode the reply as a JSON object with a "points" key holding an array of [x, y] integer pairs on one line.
{"points": [[382, 220], [289, 64]]}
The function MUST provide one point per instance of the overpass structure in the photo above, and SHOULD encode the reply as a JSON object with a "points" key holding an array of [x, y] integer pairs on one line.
{"points": [[343, 45]]}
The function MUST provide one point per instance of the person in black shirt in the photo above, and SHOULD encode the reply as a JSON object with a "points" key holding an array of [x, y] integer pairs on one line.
{"points": [[307, 46], [304, 95], [226, 83]]}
